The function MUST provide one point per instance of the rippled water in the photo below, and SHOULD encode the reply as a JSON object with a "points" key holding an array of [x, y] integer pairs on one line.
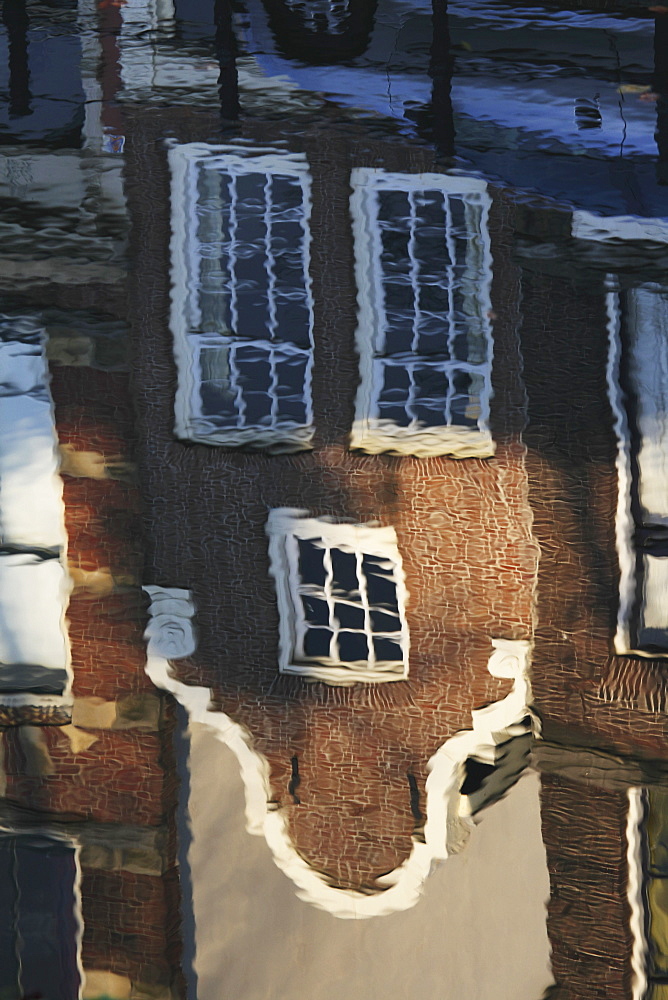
{"points": [[334, 500]]}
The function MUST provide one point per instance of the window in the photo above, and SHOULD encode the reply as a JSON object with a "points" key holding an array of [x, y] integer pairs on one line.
{"points": [[40, 922], [242, 314], [638, 379], [35, 671], [329, 15], [424, 336], [341, 598]]}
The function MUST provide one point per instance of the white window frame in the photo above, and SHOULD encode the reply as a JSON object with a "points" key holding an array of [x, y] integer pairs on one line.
{"points": [[191, 424], [284, 527], [654, 574], [370, 433]]}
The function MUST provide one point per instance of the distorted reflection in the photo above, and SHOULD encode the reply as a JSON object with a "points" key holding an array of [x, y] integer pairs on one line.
{"points": [[333, 497]]}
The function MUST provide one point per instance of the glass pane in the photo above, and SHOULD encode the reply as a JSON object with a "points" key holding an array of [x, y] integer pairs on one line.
{"points": [[316, 612], [394, 209], [344, 566], [349, 616], [387, 649], [393, 396], [250, 275], [464, 411], [311, 565], [382, 622], [380, 585], [290, 388], [432, 389], [217, 394], [254, 378], [317, 642], [353, 647]]}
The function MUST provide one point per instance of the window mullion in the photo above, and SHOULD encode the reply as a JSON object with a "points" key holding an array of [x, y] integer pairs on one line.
{"points": [[296, 589], [414, 271], [329, 597], [234, 312], [412, 390], [364, 595], [269, 262], [451, 246]]}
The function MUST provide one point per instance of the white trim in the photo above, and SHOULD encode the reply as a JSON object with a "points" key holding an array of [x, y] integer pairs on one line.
{"points": [[635, 885], [284, 527], [371, 433], [191, 424], [447, 826], [587, 226], [624, 527]]}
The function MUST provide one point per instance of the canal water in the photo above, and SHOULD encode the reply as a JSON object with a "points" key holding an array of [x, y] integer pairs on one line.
{"points": [[333, 500]]}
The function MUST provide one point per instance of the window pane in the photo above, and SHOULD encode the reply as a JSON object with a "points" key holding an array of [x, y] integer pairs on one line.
{"points": [[254, 378], [293, 317], [290, 373], [316, 612], [311, 565], [432, 386], [387, 649], [393, 396], [381, 588], [216, 392], [317, 642], [353, 647], [344, 566], [381, 622], [393, 207], [249, 258], [349, 616]]}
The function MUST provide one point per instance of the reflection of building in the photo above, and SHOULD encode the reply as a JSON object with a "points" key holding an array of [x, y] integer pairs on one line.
{"points": [[592, 349], [387, 557], [331, 417]]}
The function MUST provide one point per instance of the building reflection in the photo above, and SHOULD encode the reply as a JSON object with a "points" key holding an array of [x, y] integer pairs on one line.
{"points": [[365, 527], [385, 492]]}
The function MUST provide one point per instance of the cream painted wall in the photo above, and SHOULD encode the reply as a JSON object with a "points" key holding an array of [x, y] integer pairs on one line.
{"points": [[477, 933]]}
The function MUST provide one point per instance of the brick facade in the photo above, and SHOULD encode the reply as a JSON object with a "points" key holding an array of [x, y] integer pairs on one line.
{"points": [[113, 769]]}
